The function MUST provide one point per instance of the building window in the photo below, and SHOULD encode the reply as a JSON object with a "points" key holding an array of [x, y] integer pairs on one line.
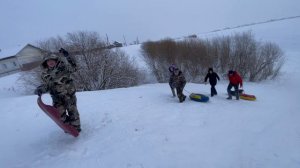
{"points": [[4, 66], [14, 63]]}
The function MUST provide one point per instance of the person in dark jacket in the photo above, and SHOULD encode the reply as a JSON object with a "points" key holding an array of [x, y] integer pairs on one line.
{"points": [[213, 77], [178, 81], [235, 81], [171, 71]]}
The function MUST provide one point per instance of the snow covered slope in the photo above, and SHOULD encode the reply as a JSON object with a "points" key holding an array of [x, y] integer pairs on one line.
{"points": [[10, 86], [145, 127]]}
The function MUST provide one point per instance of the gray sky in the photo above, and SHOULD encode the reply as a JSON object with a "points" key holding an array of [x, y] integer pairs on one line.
{"points": [[26, 21]]}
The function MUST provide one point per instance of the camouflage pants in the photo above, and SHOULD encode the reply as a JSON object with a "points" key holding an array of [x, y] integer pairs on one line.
{"points": [[66, 105], [179, 91]]}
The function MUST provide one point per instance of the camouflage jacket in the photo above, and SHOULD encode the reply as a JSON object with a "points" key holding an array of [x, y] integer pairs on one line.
{"points": [[177, 81], [57, 80]]}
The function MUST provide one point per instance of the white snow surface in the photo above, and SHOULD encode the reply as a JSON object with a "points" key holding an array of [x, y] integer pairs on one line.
{"points": [[145, 127]]}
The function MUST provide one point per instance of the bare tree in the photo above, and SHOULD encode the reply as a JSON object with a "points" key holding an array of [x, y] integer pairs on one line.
{"points": [[268, 62], [98, 67], [254, 60]]}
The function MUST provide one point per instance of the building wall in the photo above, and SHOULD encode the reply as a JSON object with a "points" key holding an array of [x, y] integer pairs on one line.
{"points": [[29, 55], [26, 59], [8, 66]]}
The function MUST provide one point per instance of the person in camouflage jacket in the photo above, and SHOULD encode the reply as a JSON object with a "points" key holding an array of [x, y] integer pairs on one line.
{"points": [[171, 71], [177, 80], [57, 80]]}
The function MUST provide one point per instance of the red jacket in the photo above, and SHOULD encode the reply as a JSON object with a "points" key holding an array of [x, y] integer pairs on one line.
{"points": [[235, 79]]}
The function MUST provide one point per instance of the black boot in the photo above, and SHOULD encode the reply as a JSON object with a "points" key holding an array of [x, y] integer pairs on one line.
{"points": [[77, 127], [184, 97]]}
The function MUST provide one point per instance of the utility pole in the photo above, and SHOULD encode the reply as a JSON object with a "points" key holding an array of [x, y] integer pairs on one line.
{"points": [[107, 40], [125, 43]]}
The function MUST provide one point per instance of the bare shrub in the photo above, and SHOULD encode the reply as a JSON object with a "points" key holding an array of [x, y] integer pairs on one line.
{"points": [[97, 67], [106, 70], [30, 80], [158, 56], [255, 61], [267, 63], [243, 52], [194, 58]]}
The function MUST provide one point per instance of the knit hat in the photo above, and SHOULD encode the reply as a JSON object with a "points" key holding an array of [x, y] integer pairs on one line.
{"points": [[48, 57]]}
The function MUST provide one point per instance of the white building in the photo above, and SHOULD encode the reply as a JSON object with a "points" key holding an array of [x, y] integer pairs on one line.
{"points": [[20, 58]]}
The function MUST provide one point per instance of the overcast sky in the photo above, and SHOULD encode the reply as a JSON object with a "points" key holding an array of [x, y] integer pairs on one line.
{"points": [[27, 21]]}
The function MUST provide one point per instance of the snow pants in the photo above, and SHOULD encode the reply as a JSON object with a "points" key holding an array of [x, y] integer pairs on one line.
{"points": [[236, 89], [213, 90], [180, 94], [67, 107]]}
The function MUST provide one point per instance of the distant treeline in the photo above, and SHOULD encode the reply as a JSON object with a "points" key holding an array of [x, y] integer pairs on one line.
{"points": [[254, 60]]}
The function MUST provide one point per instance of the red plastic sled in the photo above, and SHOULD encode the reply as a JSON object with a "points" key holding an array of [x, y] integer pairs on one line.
{"points": [[53, 113]]}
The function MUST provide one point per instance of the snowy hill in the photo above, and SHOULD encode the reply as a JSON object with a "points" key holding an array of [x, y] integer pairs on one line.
{"points": [[145, 127]]}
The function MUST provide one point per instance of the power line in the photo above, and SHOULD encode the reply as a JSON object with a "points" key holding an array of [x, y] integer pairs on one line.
{"points": [[255, 23], [240, 26], [244, 25]]}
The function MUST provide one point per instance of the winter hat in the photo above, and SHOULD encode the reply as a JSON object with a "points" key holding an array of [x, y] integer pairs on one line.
{"points": [[176, 69], [48, 57], [230, 72], [172, 68], [210, 69]]}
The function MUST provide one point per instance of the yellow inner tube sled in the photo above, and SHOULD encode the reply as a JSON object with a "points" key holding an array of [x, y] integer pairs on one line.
{"points": [[199, 97]]}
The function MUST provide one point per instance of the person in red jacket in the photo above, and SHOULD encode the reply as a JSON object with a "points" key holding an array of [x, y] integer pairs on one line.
{"points": [[235, 81]]}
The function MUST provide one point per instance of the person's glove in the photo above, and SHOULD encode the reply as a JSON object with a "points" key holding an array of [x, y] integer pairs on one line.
{"points": [[38, 92], [64, 52]]}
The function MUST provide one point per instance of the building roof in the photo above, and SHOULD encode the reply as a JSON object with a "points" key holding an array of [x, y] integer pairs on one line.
{"points": [[9, 52]]}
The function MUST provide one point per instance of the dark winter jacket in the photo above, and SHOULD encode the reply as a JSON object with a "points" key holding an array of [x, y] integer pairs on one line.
{"points": [[213, 77], [235, 78], [177, 81]]}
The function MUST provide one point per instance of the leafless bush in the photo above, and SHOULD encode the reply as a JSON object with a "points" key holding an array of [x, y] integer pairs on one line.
{"points": [[98, 67], [195, 57], [30, 80], [255, 61], [107, 69], [158, 56], [267, 63]]}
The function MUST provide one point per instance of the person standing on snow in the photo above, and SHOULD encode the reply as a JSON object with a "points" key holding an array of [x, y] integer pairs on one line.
{"points": [[235, 81], [57, 80], [213, 77], [171, 71], [178, 81]]}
